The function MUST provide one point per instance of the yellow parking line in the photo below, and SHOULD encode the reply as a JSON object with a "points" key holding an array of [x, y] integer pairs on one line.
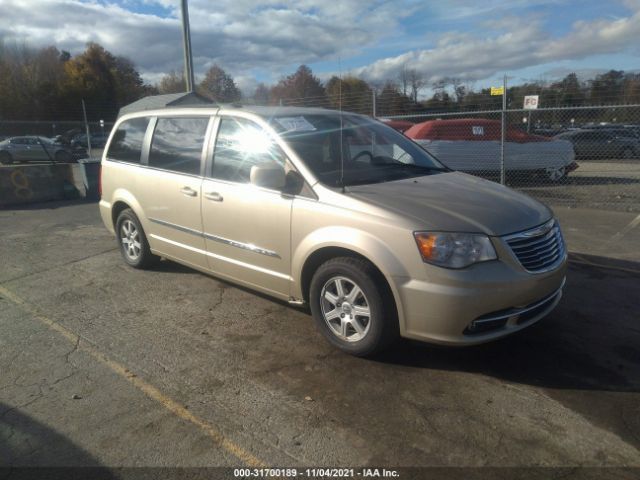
{"points": [[152, 392]]}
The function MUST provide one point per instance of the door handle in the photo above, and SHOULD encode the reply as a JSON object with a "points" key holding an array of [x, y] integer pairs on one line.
{"points": [[190, 192], [215, 196]]}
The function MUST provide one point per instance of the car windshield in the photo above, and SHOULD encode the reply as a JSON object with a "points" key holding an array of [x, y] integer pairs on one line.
{"points": [[353, 150]]}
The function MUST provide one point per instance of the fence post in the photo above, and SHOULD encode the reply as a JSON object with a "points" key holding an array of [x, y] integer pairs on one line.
{"points": [[373, 103], [503, 129], [86, 126]]}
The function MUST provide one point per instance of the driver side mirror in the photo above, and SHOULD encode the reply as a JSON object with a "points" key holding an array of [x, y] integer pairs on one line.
{"points": [[268, 175]]}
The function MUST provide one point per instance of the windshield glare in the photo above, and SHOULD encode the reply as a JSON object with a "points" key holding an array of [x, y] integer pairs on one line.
{"points": [[370, 151]]}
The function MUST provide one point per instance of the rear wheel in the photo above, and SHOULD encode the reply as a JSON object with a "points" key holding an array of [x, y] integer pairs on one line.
{"points": [[352, 308], [133, 242], [6, 158]]}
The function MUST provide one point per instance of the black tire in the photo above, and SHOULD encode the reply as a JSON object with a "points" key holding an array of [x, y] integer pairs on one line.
{"points": [[383, 329], [144, 257], [6, 158], [62, 157]]}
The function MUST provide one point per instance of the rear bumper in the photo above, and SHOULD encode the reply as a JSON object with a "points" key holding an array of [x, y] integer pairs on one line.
{"points": [[105, 213]]}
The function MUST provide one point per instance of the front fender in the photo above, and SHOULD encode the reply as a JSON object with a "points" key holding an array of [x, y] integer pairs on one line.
{"points": [[358, 241]]}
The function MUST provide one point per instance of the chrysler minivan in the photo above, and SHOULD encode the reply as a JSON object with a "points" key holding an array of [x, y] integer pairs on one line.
{"points": [[335, 211]]}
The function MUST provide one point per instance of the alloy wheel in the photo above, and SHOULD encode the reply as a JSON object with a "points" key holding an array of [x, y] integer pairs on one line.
{"points": [[345, 309], [130, 237]]}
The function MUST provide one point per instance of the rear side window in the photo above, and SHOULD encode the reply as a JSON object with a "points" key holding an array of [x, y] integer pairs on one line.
{"points": [[126, 145], [177, 144]]}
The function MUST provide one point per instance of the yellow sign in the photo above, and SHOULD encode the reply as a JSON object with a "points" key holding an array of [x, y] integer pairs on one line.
{"points": [[497, 90]]}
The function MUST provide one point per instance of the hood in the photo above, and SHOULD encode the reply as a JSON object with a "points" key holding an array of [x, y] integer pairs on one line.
{"points": [[455, 202]]}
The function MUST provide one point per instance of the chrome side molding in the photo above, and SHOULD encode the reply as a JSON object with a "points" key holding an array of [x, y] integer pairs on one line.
{"points": [[245, 246]]}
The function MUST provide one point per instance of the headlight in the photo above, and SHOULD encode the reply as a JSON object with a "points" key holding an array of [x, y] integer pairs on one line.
{"points": [[454, 250]]}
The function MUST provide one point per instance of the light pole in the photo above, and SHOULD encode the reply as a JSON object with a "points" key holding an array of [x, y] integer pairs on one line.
{"points": [[186, 40]]}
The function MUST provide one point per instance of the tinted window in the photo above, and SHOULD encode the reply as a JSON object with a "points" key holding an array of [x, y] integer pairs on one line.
{"points": [[177, 144], [240, 145], [127, 141]]}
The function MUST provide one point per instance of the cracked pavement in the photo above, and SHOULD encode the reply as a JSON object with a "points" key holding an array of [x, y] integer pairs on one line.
{"points": [[562, 393]]}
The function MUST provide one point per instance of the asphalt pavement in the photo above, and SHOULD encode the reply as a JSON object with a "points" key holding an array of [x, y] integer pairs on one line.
{"points": [[101, 364]]}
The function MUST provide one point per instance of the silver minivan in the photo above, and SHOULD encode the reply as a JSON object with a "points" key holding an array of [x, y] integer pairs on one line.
{"points": [[336, 211]]}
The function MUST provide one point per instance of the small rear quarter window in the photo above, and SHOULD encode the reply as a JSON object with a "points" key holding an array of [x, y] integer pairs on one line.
{"points": [[126, 144]]}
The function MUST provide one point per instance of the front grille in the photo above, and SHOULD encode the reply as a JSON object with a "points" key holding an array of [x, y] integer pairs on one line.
{"points": [[540, 248]]}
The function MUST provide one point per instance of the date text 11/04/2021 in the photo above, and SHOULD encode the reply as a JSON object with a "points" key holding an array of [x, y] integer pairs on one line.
{"points": [[315, 472]]}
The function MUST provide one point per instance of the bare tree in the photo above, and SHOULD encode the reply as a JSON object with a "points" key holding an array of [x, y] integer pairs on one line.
{"points": [[416, 82], [403, 77], [459, 89], [172, 82]]}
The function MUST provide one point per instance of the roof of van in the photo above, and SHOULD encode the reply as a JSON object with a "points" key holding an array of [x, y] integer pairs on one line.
{"points": [[277, 110], [191, 100], [155, 102]]}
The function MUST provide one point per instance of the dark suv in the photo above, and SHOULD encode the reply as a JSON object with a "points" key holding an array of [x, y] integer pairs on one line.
{"points": [[603, 143]]}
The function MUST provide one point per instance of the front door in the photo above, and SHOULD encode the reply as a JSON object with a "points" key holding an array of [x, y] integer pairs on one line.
{"points": [[246, 228], [21, 149]]}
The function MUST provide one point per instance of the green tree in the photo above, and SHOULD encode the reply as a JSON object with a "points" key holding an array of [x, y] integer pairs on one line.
{"points": [[391, 101], [104, 81], [219, 85], [607, 88], [572, 92], [301, 88], [356, 94]]}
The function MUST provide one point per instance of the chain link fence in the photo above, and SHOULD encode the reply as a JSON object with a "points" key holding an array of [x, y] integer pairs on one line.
{"points": [[33, 142], [571, 156], [586, 156], [578, 157]]}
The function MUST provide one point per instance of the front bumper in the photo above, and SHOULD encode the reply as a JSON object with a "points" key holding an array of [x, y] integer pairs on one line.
{"points": [[499, 298]]}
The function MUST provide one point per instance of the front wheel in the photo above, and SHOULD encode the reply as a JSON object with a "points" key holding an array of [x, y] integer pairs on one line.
{"points": [[555, 174], [352, 308], [133, 242]]}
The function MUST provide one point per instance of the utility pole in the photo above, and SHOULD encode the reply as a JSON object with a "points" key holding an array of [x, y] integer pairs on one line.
{"points": [[186, 40]]}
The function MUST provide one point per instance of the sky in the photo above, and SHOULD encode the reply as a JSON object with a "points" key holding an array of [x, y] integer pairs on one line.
{"points": [[261, 41]]}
